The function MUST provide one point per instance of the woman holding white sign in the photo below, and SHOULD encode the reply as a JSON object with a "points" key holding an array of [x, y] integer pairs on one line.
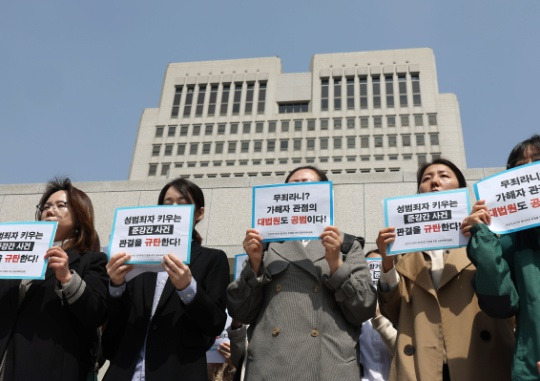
{"points": [[48, 327], [508, 271], [442, 333], [161, 324], [304, 303]]}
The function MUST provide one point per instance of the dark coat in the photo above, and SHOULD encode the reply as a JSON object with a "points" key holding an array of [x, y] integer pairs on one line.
{"points": [[178, 335], [51, 339]]}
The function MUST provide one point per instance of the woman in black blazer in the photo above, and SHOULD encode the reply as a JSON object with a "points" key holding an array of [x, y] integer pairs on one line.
{"points": [[162, 324], [48, 327]]}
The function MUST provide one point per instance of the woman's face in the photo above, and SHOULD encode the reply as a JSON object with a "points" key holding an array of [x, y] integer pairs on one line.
{"points": [[438, 177], [174, 197], [304, 175], [56, 208]]}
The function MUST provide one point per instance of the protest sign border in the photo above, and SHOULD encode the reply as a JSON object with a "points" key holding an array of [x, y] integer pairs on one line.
{"points": [[475, 185], [330, 188], [190, 233], [51, 242], [385, 211], [236, 261]]}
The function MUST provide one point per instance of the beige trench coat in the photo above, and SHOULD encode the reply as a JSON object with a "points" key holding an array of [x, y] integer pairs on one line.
{"points": [[428, 321]]}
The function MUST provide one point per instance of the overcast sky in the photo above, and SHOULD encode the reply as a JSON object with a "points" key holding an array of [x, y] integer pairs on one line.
{"points": [[75, 76]]}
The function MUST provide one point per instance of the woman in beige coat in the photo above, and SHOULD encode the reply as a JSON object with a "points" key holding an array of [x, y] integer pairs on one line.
{"points": [[429, 297]]}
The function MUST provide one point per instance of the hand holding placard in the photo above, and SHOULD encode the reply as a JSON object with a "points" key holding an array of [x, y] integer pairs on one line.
{"points": [[117, 268], [253, 247]]}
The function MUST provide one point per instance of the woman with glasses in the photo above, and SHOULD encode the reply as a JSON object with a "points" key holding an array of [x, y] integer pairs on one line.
{"points": [[48, 327], [161, 324]]}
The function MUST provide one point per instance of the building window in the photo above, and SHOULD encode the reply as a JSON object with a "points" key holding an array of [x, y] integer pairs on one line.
{"points": [[225, 99], [204, 163], [310, 160], [337, 159], [350, 93], [404, 120], [391, 120], [323, 159], [246, 128], [392, 141], [376, 86], [420, 140], [212, 101], [256, 162], [196, 130], [435, 156], [178, 164], [165, 169], [337, 123], [338, 142], [262, 98], [379, 158], [392, 157], [234, 128], [364, 141], [378, 140], [422, 158], [337, 94], [200, 100], [289, 108], [152, 169], [311, 125], [171, 131], [389, 86], [244, 146], [364, 158], [219, 148], [310, 144], [191, 164], [193, 148], [156, 149], [297, 160], [434, 139], [242, 162], [259, 126], [351, 159], [432, 119], [407, 157], [159, 131], [206, 148], [406, 140], [168, 150], [324, 94], [415, 79], [269, 161], [249, 98], [418, 120], [257, 146], [364, 122], [283, 144], [284, 126], [209, 129], [237, 98], [323, 143], [350, 123], [282, 161], [189, 100], [176, 102], [184, 130], [297, 144], [324, 124], [232, 147], [351, 142], [402, 86], [221, 129], [377, 121], [271, 127], [181, 149], [229, 163], [216, 163], [270, 146], [298, 125], [363, 93]]}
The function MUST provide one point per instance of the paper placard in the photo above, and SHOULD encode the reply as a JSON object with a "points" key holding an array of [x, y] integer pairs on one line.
{"points": [[23, 246], [239, 263], [427, 221], [292, 211], [512, 197], [212, 355], [148, 233], [375, 268]]}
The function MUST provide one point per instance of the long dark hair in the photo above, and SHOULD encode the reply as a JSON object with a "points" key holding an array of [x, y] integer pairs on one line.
{"points": [[84, 237], [321, 174], [525, 238], [420, 173], [191, 192]]}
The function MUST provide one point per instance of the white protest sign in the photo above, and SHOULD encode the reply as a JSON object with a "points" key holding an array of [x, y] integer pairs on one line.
{"points": [[374, 265], [427, 221], [212, 355], [292, 211], [239, 263], [512, 197], [147, 233], [23, 246]]}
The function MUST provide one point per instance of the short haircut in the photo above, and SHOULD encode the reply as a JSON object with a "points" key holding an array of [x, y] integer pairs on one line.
{"points": [[321, 174], [420, 173]]}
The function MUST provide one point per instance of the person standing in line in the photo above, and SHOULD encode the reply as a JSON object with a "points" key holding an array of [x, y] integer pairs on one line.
{"points": [[161, 324], [441, 332], [304, 303]]}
